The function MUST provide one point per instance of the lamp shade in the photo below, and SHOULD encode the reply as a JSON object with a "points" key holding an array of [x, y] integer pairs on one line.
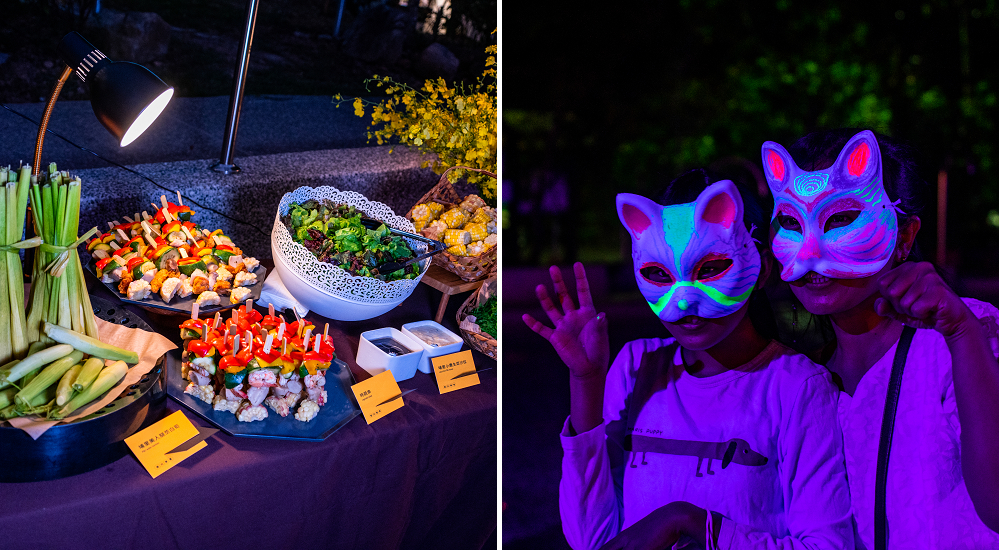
{"points": [[126, 97]]}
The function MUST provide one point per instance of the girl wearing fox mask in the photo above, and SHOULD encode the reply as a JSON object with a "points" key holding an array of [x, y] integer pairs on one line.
{"points": [[845, 219], [718, 436]]}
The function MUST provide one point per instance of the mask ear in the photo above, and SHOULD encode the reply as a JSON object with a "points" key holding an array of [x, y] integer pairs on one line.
{"points": [[778, 165], [719, 204], [637, 213], [859, 160]]}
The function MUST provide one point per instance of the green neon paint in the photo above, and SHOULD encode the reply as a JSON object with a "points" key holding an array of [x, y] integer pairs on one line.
{"points": [[678, 229], [712, 293], [682, 305]]}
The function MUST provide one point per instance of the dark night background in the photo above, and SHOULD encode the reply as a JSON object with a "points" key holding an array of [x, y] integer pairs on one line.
{"points": [[600, 99]]}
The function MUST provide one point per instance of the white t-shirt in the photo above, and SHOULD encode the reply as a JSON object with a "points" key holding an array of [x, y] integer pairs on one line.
{"points": [[927, 503], [759, 444]]}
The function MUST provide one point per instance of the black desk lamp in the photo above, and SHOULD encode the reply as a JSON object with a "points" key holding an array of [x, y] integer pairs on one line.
{"points": [[126, 97]]}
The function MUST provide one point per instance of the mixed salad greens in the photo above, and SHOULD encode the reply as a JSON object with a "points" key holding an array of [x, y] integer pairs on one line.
{"points": [[334, 234], [486, 316]]}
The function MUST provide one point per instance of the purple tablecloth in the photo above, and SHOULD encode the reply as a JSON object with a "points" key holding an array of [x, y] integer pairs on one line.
{"points": [[422, 477]]}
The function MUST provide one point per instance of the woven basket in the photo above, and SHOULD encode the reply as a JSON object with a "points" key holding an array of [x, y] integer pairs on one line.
{"points": [[468, 268], [483, 343]]}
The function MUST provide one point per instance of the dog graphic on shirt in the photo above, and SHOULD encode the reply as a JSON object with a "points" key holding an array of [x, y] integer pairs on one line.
{"points": [[733, 451]]}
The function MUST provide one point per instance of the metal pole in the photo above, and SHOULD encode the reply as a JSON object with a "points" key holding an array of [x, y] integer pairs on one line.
{"points": [[340, 15], [226, 164]]}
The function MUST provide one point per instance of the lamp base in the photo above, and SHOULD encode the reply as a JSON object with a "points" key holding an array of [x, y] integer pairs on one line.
{"points": [[226, 168]]}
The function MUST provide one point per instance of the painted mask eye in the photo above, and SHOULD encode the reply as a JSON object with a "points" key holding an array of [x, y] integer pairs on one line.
{"points": [[841, 219], [656, 274], [789, 223], [713, 268]]}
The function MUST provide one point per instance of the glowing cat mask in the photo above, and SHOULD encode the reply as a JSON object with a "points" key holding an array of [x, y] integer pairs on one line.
{"points": [[854, 183], [680, 240]]}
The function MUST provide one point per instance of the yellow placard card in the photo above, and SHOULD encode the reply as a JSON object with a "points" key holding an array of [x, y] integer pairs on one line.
{"points": [[455, 371], [378, 396], [151, 445]]}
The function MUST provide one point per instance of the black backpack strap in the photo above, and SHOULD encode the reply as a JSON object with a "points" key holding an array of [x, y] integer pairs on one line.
{"points": [[885, 439]]}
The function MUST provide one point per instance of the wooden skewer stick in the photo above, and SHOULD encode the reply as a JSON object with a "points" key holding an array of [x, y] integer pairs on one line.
{"points": [[150, 240], [270, 309], [128, 219], [179, 201], [268, 342], [249, 305], [123, 235], [163, 201], [218, 319], [183, 252], [326, 330], [194, 310], [236, 344], [318, 342], [114, 245], [146, 216]]}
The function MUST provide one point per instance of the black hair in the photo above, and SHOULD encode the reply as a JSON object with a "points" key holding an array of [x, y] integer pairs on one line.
{"points": [[686, 187]]}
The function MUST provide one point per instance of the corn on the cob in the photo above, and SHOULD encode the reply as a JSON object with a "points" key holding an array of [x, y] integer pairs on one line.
{"points": [[476, 230], [453, 237], [455, 218]]}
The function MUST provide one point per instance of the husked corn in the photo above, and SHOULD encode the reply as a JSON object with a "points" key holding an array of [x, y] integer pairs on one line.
{"points": [[472, 203], [457, 236], [455, 218], [457, 250], [435, 209], [476, 230], [421, 216], [475, 248]]}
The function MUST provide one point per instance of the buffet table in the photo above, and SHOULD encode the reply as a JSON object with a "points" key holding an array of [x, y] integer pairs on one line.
{"points": [[422, 477]]}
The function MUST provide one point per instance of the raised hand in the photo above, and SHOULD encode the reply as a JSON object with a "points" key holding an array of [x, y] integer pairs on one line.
{"points": [[579, 335], [915, 295]]}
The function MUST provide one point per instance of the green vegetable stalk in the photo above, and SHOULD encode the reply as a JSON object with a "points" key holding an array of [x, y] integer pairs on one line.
{"points": [[58, 290], [14, 187]]}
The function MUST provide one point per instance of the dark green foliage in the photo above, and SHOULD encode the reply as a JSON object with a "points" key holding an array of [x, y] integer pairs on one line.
{"points": [[624, 99]]}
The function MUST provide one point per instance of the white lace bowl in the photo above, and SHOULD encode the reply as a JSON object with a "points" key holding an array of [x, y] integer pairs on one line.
{"points": [[326, 288]]}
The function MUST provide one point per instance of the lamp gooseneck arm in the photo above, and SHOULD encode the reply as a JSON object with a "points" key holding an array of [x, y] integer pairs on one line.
{"points": [[36, 165]]}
